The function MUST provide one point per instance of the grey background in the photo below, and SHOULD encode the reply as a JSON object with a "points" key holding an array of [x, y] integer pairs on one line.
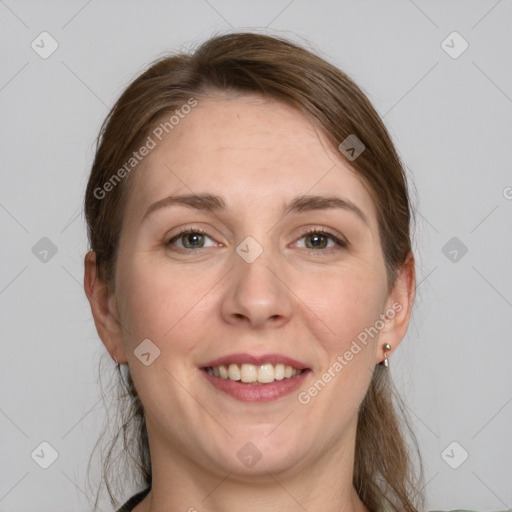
{"points": [[451, 121]]}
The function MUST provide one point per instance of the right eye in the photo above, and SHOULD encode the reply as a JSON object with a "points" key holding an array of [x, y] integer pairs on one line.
{"points": [[190, 239]]}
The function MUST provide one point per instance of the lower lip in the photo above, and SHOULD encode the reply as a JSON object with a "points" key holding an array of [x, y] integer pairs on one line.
{"points": [[257, 392]]}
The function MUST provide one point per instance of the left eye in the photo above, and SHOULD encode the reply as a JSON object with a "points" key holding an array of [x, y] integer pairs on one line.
{"points": [[320, 239]]}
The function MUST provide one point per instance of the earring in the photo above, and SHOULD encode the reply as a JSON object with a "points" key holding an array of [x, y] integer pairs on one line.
{"points": [[386, 347]]}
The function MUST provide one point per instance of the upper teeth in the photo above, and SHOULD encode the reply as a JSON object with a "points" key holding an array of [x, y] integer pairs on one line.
{"points": [[264, 373]]}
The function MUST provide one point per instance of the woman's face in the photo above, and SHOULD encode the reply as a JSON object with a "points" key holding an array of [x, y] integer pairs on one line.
{"points": [[249, 287]]}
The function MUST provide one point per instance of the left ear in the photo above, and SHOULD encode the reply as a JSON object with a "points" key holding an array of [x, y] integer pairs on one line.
{"points": [[398, 308]]}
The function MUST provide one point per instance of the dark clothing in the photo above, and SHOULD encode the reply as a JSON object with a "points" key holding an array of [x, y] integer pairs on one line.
{"points": [[134, 501]]}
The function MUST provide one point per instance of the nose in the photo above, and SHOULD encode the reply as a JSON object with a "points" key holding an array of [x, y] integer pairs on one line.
{"points": [[257, 294]]}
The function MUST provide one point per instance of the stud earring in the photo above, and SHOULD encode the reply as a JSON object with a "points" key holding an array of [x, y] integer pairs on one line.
{"points": [[386, 347]]}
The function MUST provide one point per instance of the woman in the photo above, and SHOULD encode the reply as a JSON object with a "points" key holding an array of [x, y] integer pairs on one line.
{"points": [[251, 273]]}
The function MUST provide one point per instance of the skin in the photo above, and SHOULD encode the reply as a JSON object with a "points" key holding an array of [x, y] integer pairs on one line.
{"points": [[208, 302]]}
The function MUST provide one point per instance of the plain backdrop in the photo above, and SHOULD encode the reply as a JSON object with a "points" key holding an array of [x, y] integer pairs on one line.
{"points": [[448, 109]]}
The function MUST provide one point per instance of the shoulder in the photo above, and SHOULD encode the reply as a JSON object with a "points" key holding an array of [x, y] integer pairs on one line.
{"points": [[385, 506], [134, 500]]}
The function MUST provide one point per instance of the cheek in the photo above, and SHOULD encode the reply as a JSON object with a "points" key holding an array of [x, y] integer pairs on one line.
{"points": [[343, 305], [163, 301], [344, 308], [160, 301]]}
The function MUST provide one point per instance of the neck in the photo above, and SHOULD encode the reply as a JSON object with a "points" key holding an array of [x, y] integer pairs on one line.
{"points": [[180, 484], [272, 493]]}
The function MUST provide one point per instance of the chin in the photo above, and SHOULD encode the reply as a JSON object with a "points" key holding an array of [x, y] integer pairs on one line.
{"points": [[260, 451], [260, 466]]}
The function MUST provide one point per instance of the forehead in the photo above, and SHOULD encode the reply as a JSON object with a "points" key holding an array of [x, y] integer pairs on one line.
{"points": [[253, 151]]}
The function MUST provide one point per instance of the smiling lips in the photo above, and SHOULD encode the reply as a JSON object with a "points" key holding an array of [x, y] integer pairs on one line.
{"points": [[255, 378], [254, 374]]}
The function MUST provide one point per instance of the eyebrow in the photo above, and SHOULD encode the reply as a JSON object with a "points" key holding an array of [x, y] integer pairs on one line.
{"points": [[299, 204]]}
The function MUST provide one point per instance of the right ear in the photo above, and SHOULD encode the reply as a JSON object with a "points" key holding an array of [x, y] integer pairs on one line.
{"points": [[103, 308]]}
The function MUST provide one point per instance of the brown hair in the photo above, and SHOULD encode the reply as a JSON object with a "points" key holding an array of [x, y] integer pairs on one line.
{"points": [[278, 69]]}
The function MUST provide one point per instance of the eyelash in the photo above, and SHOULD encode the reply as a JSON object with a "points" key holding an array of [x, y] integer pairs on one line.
{"points": [[317, 231]]}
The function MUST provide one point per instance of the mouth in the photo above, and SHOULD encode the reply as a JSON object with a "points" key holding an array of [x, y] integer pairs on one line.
{"points": [[255, 379], [254, 374]]}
